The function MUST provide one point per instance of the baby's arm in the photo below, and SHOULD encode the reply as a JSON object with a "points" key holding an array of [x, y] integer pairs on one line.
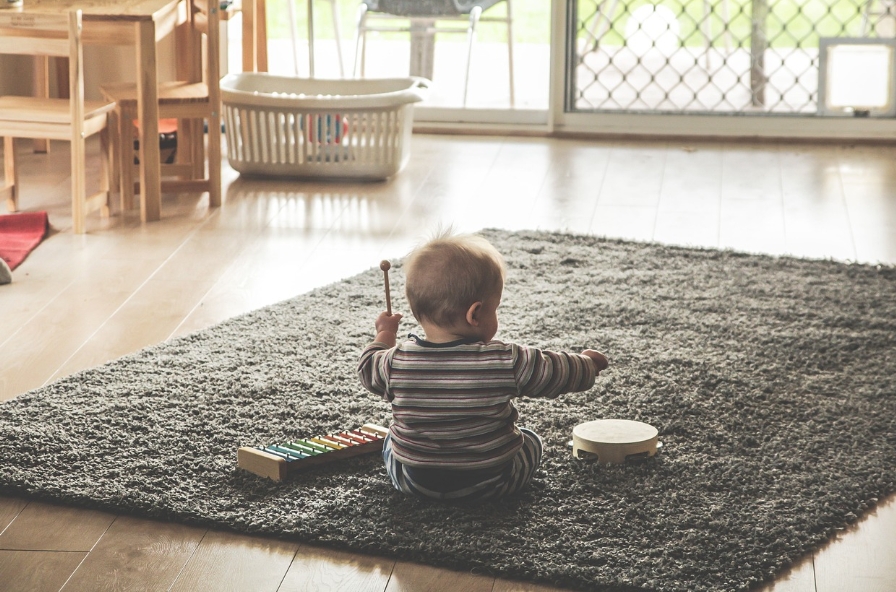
{"points": [[544, 373], [600, 360], [373, 366]]}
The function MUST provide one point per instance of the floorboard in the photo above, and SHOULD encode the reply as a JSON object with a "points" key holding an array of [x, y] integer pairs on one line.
{"points": [[227, 561], [136, 554]]}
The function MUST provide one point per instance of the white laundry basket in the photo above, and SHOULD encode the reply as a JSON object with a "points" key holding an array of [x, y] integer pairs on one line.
{"points": [[294, 127]]}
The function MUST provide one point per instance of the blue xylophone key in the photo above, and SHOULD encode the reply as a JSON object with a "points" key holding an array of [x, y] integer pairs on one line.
{"points": [[270, 450]]}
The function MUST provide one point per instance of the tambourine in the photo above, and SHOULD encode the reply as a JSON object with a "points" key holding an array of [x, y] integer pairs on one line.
{"points": [[614, 441]]}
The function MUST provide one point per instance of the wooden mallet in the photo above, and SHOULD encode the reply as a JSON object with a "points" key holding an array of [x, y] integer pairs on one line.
{"points": [[385, 266]]}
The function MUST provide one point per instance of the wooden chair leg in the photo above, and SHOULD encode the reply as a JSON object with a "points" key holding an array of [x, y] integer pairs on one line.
{"points": [[105, 168], [79, 189], [186, 153], [126, 158], [113, 128], [214, 160], [197, 148], [41, 88], [10, 175]]}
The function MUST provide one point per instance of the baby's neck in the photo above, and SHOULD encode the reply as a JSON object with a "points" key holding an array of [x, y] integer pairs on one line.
{"points": [[437, 334]]}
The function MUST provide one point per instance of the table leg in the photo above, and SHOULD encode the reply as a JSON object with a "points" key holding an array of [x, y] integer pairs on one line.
{"points": [[148, 115], [249, 35], [255, 36], [261, 37], [188, 42]]}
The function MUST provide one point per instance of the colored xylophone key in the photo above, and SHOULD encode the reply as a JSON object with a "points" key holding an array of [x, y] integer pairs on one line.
{"points": [[277, 461]]}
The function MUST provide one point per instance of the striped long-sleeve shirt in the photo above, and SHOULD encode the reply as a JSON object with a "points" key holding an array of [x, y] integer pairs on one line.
{"points": [[451, 402]]}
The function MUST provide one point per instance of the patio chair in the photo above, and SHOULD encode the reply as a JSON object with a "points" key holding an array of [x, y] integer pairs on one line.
{"points": [[423, 15]]}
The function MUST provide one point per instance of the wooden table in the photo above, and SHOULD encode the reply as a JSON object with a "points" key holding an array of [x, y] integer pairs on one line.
{"points": [[141, 23]]}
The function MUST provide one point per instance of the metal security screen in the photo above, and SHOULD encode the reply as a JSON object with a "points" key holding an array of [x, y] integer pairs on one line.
{"points": [[709, 56]]}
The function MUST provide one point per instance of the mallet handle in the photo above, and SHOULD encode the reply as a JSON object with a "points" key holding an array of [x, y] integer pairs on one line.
{"points": [[385, 265]]}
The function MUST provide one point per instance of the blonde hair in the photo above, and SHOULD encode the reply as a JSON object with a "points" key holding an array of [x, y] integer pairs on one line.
{"points": [[447, 274]]}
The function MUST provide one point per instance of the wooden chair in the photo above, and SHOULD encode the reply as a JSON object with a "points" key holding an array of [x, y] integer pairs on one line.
{"points": [[72, 119], [194, 103]]}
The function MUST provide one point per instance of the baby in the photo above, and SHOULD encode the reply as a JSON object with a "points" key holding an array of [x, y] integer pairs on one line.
{"points": [[454, 434]]}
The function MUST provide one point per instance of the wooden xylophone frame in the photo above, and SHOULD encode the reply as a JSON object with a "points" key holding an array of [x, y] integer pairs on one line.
{"points": [[277, 461]]}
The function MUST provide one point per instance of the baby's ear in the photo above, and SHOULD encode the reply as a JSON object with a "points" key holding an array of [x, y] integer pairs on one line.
{"points": [[473, 314]]}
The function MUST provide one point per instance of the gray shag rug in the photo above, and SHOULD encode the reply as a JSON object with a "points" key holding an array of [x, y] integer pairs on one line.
{"points": [[769, 379]]}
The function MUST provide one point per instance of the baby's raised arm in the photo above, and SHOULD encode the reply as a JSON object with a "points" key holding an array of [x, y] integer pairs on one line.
{"points": [[600, 360]]}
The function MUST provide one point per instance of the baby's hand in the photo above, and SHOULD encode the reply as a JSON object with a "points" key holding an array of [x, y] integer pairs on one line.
{"points": [[600, 360], [387, 322]]}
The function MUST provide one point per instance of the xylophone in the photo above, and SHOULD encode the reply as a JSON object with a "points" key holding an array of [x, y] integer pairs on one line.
{"points": [[277, 461]]}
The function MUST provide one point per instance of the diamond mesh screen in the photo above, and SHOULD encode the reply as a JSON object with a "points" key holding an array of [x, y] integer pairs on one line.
{"points": [[712, 56]]}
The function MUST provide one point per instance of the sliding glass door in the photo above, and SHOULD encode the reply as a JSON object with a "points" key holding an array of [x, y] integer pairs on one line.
{"points": [[658, 67]]}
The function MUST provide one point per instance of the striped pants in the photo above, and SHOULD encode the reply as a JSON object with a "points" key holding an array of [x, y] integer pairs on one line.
{"points": [[455, 485]]}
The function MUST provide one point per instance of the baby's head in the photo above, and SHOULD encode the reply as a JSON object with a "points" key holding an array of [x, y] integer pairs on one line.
{"points": [[449, 274]]}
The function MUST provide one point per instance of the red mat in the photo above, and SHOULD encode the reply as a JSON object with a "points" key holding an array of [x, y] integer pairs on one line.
{"points": [[19, 234]]}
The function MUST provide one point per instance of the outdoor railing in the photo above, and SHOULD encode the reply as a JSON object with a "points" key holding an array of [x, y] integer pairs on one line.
{"points": [[712, 56]]}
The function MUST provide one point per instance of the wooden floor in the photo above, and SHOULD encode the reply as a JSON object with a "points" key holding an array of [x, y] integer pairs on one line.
{"points": [[78, 301]]}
